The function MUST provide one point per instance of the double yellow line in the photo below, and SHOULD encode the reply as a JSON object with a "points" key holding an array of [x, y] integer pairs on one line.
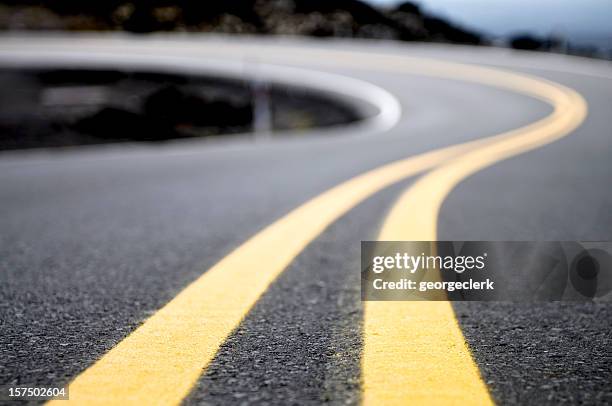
{"points": [[412, 351]]}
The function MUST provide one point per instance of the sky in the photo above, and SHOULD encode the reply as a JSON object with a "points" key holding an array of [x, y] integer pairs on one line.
{"points": [[582, 21]]}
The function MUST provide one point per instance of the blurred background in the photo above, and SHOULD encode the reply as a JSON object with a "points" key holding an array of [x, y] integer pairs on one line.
{"points": [[69, 107], [568, 26]]}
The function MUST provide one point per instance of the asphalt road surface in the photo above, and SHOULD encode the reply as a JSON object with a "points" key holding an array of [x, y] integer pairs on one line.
{"points": [[203, 272]]}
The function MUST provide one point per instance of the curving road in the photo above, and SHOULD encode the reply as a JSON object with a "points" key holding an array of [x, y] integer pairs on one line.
{"points": [[231, 265]]}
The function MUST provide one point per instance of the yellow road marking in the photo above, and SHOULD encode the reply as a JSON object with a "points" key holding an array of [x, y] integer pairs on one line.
{"points": [[414, 352], [162, 359]]}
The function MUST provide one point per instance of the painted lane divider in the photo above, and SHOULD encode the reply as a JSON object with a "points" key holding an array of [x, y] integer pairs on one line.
{"points": [[162, 359]]}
